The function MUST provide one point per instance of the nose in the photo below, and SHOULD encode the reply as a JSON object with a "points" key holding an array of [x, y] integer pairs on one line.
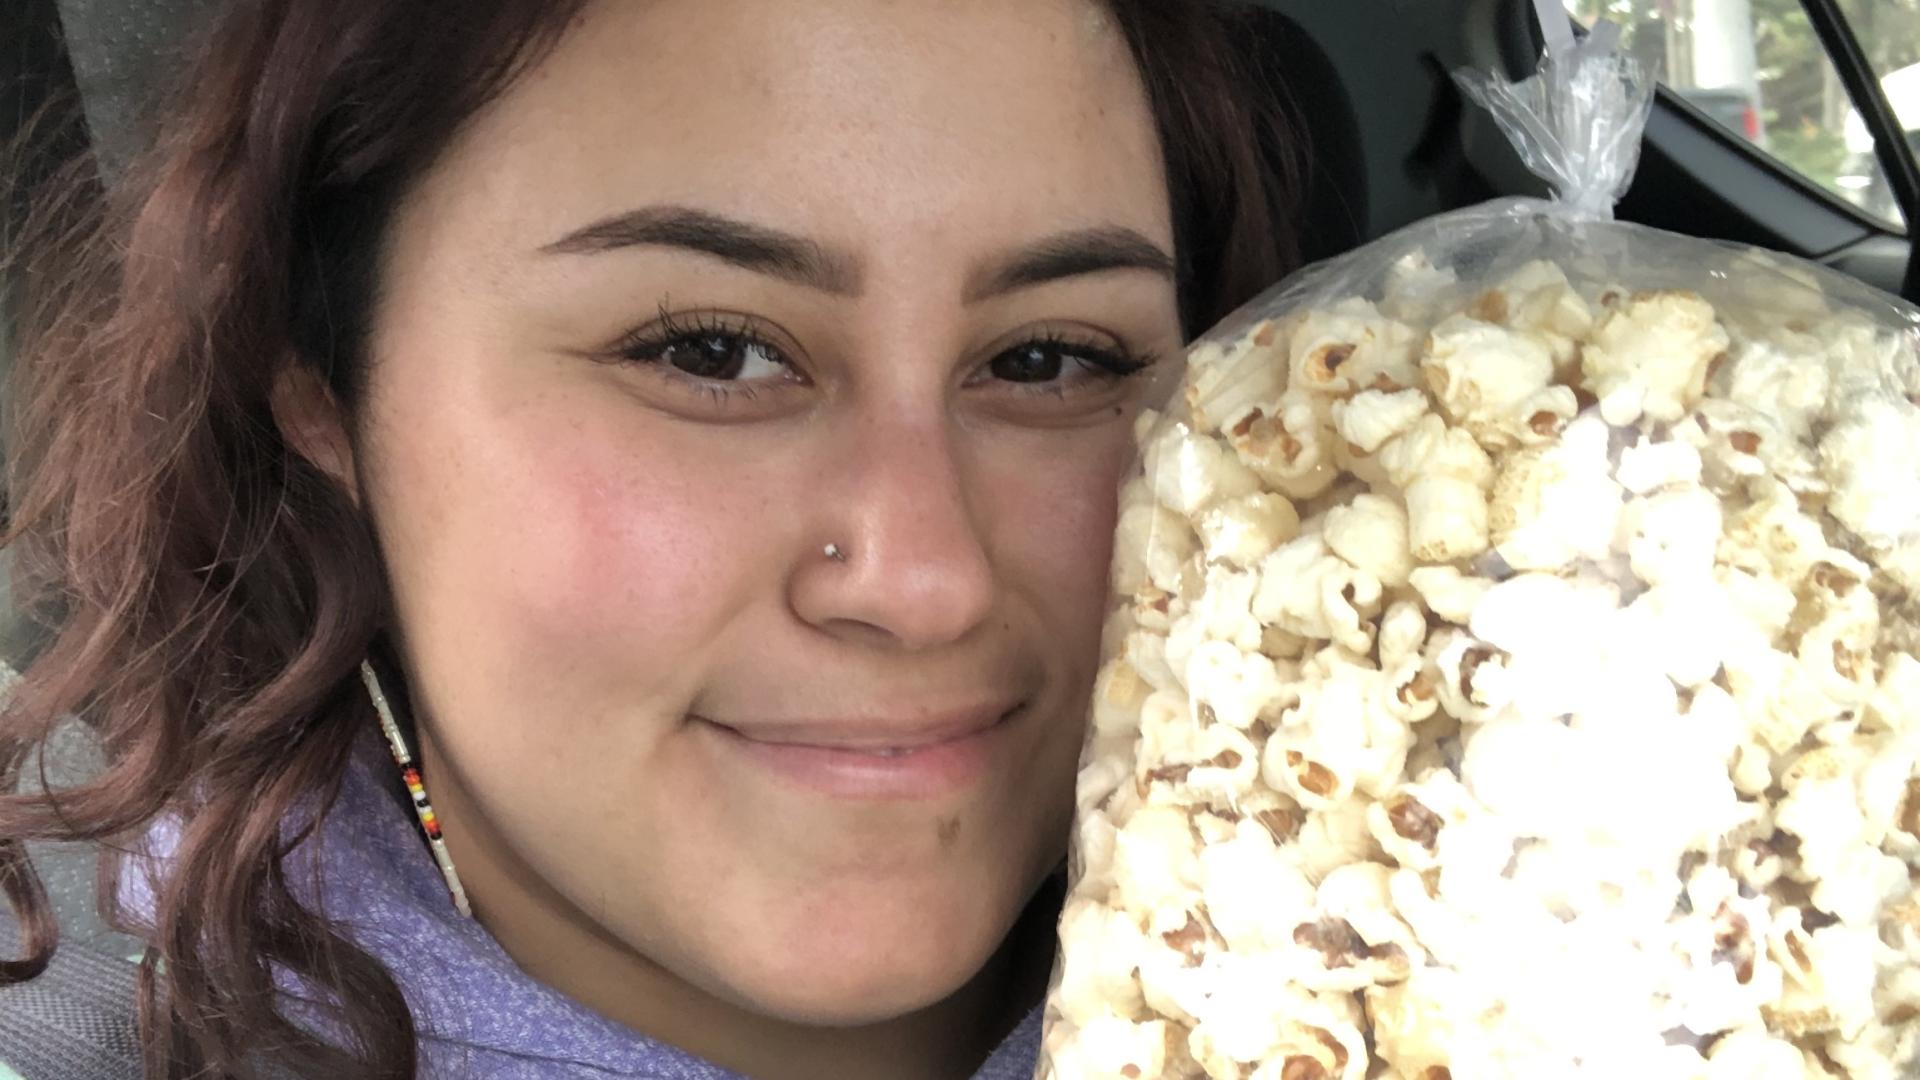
{"points": [[912, 569]]}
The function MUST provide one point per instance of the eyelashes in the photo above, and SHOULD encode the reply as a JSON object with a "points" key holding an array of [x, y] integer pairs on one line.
{"points": [[709, 346], [726, 353], [1047, 357]]}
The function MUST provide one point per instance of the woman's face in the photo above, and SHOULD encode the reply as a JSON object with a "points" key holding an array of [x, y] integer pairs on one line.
{"points": [[717, 285]]}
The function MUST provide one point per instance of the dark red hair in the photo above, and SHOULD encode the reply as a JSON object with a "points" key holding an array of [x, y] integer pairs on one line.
{"points": [[203, 595]]}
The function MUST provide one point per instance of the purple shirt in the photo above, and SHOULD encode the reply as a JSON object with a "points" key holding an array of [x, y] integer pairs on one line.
{"points": [[478, 1015]]}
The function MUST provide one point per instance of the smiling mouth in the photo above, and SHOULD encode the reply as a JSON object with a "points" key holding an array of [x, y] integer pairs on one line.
{"points": [[877, 759], [873, 738]]}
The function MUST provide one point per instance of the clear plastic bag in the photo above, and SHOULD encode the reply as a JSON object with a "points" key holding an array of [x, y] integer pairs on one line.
{"points": [[1512, 667]]}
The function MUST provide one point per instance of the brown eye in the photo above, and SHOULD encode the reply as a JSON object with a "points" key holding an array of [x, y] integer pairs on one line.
{"points": [[712, 356], [1048, 360], [709, 353], [1031, 363]]}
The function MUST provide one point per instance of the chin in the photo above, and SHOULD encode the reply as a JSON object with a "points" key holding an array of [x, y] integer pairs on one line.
{"points": [[856, 964]]}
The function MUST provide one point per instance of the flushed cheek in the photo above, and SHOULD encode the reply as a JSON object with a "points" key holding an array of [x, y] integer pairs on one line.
{"points": [[563, 582], [587, 544]]}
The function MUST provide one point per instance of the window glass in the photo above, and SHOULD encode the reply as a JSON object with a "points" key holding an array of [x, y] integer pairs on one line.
{"points": [[1757, 68], [1889, 33]]}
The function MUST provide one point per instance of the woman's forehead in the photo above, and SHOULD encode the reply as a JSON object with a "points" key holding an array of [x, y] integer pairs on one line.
{"points": [[863, 123]]}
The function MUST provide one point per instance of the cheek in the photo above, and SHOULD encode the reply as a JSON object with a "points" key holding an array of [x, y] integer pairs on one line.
{"points": [[1057, 529], [564, 538]]}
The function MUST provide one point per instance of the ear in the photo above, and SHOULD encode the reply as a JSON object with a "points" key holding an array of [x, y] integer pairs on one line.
{"points": [[312, 423]]}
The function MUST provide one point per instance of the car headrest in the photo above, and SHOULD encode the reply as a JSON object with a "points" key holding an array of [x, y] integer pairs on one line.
{"points": [[121, 50]]}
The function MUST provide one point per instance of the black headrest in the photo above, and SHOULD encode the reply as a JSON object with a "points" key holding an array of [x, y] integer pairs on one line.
{"points": [[121, 51]]}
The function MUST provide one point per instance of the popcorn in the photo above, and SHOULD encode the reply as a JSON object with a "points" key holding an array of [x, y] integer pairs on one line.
{"points": [[1836, 992], [1723, 937], [1649, 357], [1224, 609], [1306, 589], [1359, 898], [1146, 652], [1877, 1053], [1339, 736], [1786, 380], [1868, 458], [1752, 1054], [1333, 836], [1215, 767], [1648, 467], [1244, 531], [1491, 381], [1473, 681], [1118, 695], [1512, 681], [1096, 832], [1538, 299], [1255, 895], [1738, 445], [1156, 860], [1368, 420], [1098, 983], [1352, 346], [1239, 687], [1779, 698], [1415, 287], [1403, 629], [1113, 633], [1408, 824], [1316, 778], [1371, 533], [1167, 728], [1290, 448], [1444, 476], [1556, 504], [1417, 1025], [1895, 706], [1672, 535], [1151, 546], [1685, 629], [1227, 383], [1115, 1048], [1191, 471], [1449, 594]]}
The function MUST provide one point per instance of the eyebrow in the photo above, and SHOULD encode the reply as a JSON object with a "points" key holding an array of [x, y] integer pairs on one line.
{"points": [[1074, 254], [783, 255], [751, 247]]}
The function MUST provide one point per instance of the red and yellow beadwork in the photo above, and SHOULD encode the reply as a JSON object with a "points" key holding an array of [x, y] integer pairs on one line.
{"points": [[416, 788]]}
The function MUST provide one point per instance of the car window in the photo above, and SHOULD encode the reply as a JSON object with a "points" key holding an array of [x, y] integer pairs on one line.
{"points": [[1757, 68], [1889, 32]]}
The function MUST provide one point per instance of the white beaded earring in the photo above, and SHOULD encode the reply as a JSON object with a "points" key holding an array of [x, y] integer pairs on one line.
{"points": [[410, 772]]}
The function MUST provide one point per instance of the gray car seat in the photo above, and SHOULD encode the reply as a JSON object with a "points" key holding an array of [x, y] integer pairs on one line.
{"points": [[76, 1021]]}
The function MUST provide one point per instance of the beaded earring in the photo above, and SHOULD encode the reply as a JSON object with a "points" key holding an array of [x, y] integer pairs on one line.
{"points": [[416, 788]]}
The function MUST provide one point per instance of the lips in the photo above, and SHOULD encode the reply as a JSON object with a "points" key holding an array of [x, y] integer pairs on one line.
{"points": [[876, 737], [934, 758]]}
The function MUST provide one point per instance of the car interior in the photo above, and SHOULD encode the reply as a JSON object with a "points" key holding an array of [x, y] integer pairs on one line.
{"points": [[1387, 139]]}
